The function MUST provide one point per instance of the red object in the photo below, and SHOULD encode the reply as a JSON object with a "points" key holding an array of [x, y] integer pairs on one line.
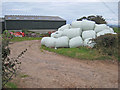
{"points": [[18, 33], [49, 32], [23, 34], [11, 33]]}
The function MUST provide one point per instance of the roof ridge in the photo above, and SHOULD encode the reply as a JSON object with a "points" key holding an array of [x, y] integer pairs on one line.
{"points": [[32, 17]]}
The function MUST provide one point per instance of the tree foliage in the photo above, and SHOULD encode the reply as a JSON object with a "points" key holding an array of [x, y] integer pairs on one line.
{"points": [[107, 43]]}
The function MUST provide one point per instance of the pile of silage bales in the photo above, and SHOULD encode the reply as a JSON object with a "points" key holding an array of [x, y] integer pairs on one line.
{"points": [[77, 34]]}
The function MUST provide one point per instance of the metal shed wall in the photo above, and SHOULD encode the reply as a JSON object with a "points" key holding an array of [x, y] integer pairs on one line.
{"points": [[2, 27], [32, 24]]}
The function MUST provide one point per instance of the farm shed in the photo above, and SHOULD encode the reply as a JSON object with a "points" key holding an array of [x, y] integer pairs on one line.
{"points": [[2, 25], [20, 22]]}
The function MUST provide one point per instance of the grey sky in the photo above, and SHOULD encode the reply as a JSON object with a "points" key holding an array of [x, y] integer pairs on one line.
{"points": [[68, 10], [59, 0]]}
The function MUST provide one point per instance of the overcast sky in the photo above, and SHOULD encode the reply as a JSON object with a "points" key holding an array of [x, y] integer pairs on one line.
{"points": [[59, 0], [70, 11]]}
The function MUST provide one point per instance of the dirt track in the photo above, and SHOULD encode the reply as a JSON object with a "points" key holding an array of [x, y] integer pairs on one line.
{"points": [[49, 70]]}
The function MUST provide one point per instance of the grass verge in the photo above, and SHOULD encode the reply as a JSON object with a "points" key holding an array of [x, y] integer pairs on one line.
{"points": [[82, 53], [116, 29], [17, 39], [10, 85]]}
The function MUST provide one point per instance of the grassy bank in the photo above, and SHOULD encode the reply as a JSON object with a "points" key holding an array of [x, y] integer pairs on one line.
{"points": [[116, 29], [10, 85], [13, 84], [17, 39], [82, 53]]}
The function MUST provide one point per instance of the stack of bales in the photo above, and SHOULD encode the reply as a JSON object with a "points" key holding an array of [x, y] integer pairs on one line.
{"points": [[79, 33]]}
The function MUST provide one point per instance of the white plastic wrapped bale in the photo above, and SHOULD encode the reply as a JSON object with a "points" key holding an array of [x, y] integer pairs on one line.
{"points": [[105, 31], [87, 25], [43, 40], [111, 30], [65, 32], [100, 27], [57, 34], [88, 34], [62, 42], [75, 42], [114, 33], [67, 26], [76, 24], [88, 42], [73, 32], [50, 42]]}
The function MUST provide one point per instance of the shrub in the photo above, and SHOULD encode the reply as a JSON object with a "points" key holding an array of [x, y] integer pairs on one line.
{"points": [[6, 35], [107, 44], [13, 31], [9, 65], [108, 40]]}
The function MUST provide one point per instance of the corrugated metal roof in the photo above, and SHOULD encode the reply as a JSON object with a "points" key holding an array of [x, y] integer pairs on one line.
{"points": [[27, 17]]}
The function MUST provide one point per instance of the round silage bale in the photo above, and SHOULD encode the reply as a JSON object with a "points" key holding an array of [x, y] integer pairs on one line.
{"points": [[65, 32], [76, 24], [62, 42], [111, 30], [100, 27], [87, 25], [88, 34], [88, 42], [57, 34], [50, 42], [73, 32], [75, 42], [105, 31], [67, 26], [43, 40]]}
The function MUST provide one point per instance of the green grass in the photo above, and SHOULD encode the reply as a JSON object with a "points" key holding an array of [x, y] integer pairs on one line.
{"points": [[17, 39], [11, 85], [82, 53], [116, 29]]}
